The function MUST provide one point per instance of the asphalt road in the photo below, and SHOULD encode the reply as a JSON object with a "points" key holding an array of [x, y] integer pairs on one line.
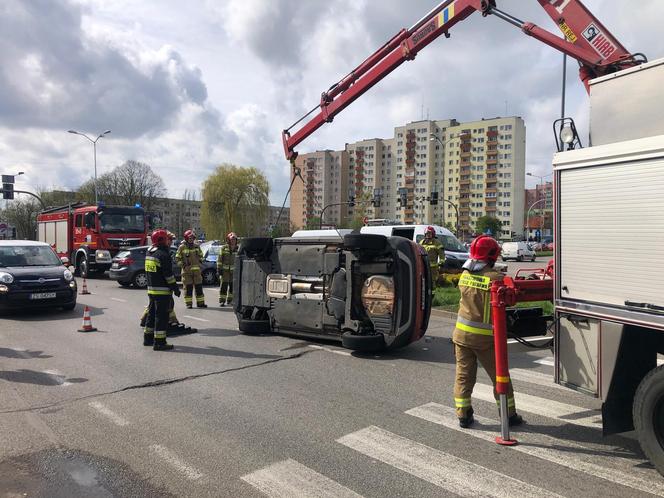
{"points": [[98, 414]]}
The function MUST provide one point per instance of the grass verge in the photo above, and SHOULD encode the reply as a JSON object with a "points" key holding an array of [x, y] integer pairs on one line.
{"points": [[447, 298]]}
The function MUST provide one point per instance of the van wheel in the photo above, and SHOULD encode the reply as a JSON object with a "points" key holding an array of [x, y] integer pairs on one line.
{"points": [[362, 343], [648, 414]]}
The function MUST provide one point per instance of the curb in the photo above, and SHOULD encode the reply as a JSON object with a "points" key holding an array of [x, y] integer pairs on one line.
{"points": [[444, 314]]}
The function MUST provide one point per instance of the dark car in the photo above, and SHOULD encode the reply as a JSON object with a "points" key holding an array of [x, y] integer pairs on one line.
{"points": [[128, 268], [33, 276], [369, 291]]}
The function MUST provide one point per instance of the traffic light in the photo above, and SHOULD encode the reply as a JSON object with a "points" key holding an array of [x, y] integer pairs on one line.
{"points": [[377, 195], [433, 200], [8, 190], [351, 201], [403, 196]]}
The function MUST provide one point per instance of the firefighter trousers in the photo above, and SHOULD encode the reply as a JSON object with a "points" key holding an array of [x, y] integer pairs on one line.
{"points": [[466, 376], [226, 286], [156, 323], [172, 317], [189, 291]]}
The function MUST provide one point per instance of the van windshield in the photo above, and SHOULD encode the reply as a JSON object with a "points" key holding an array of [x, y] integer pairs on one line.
{"points": [[450, 243]]}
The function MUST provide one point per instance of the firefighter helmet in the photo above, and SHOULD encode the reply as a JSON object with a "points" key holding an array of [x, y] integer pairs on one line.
{"points": [[231, 236], [430, 231], [484, 248], [160, 238], [189, 233]]}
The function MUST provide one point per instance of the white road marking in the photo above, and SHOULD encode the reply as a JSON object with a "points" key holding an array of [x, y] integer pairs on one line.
{"points": [[104, 410], [331, 350], [546, 361], [174, 461], [118, 300], [545, 407], [534, 377], [529, 339], [196, 318], [291, 478], [540, 446], [437, 467], [57, 377]]}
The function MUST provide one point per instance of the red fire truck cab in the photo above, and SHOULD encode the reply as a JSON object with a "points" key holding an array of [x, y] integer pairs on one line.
{"points": [[89, 236]]}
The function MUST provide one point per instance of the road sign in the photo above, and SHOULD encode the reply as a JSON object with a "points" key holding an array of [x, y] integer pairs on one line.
{"points": [[8, 190], [7, 178]]}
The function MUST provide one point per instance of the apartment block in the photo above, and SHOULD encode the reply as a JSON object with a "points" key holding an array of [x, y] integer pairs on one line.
{"points": [[474, 169], [326, 183], [484, 172]]}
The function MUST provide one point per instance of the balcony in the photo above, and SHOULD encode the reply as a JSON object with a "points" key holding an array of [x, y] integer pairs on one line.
{"points": [[465, 170], [492, 134], [408, 212], [465, 155], [465, 137], [491, 171], [464, 219], [464, 163]]}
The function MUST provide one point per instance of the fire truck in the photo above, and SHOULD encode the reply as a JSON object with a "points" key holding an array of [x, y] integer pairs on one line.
{"points": [[608, 198], [90, 235]]}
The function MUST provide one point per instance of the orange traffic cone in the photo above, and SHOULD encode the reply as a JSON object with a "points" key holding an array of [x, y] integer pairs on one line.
{"points": [[85, 290], [87, 322]]}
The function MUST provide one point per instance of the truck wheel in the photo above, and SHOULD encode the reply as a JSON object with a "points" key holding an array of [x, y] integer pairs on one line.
{"points": [[140, 280], [362, 343], [82, 267], [648, 413], [256, 246], [367, 241]]}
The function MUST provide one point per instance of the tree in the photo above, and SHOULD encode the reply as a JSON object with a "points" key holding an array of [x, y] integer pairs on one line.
{"points": [[313, 223], [128, 184], [22, 214], [490, 223], [234, 199]]}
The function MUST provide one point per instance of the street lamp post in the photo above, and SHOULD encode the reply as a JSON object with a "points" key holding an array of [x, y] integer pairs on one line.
{"points": [[528, 214], [541, 178], [433, 138], [94, 149]]}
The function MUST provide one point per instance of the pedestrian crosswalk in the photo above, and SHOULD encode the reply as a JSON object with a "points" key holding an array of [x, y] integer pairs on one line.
{"points": [[435, 465]]}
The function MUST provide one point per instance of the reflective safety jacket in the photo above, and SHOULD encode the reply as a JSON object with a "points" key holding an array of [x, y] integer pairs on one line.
{"points": [[474, 326], [435, 251], [226, 259], [189, 257], [159, 268]]}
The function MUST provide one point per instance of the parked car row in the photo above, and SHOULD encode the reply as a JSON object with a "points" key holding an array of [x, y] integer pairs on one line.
{"points": [[128, 267], [33, 276]]}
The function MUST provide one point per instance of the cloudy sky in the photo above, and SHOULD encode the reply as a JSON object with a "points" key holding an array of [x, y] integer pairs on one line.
{"points": [[185, 86]]}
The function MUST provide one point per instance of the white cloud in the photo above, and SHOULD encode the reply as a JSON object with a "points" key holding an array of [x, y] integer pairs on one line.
{"points": [[187, 87]]}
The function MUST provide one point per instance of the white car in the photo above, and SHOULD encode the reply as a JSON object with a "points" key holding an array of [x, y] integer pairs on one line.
{"points": [[518, 251]]}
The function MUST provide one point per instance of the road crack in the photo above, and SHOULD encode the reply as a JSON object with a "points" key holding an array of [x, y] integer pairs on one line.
{"points": [[157, 383]]}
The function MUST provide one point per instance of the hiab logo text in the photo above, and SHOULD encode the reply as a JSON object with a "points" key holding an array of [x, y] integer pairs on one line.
{"points": [[602, 45]]}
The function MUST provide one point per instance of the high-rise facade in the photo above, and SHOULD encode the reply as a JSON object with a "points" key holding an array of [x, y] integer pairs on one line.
{"points": [[474, 169]]}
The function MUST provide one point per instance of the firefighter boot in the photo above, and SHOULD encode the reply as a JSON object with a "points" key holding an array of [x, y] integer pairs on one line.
{"points": [[467, 421], [148, 339], [160, 344], [515, 419]]}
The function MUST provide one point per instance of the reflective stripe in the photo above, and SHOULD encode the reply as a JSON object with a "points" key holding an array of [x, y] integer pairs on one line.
{"points": [[510, 402], [504, 380], [192, 268], [477, 325], [159, 293], [473, 330], [462, 402], [487, 308], [148, 330], [475, 281], [160, 335], [170, 280]]}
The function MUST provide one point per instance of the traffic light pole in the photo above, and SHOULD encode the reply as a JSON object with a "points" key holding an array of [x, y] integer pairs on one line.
{"points": [[33, 195]]}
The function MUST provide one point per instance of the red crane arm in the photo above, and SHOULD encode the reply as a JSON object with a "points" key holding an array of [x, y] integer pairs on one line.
{"points": [[586, 40]]}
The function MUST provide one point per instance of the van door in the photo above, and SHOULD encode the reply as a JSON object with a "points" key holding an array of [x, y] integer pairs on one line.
{"points": [[406, 232]]}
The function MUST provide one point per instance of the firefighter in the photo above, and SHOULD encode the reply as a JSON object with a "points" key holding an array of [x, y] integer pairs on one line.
{"points": [[189, 257], [473, 333], [436, 253], [161, 287], [225, 267], [173, 322]]}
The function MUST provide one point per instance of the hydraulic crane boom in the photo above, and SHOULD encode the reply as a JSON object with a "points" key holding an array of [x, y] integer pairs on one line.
{"points": [[586, 40]]}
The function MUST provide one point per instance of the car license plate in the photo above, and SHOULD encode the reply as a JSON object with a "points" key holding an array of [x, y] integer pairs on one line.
{"points": [[42, 295], [115, 265]]}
